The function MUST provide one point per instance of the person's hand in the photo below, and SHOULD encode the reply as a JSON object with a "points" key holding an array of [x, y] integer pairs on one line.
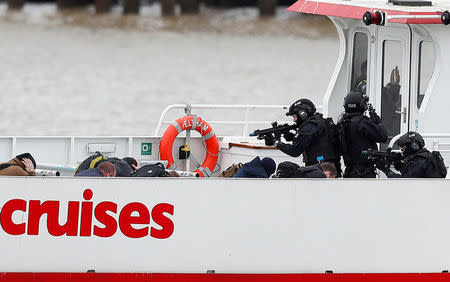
{"points": [[136, 167], [395, 76], [29, 167], [269, 140], [398, 164], [375, 117], [382, 164], [289, 136]]}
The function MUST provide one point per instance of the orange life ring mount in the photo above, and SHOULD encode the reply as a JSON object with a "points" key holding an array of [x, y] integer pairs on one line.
{"points": [[208, 135]]}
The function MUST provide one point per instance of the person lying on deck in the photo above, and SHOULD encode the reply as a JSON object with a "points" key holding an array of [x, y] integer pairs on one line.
{"points": [[105, 169], [257, 168], [22, 165], [293, 170]]}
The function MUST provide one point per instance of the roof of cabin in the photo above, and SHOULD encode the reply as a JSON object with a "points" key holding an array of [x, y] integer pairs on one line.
{"points": [[355, 10]]}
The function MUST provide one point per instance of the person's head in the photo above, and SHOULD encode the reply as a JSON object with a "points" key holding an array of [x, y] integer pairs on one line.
{"points": [[132, 162], [410, 143], [364, 68], [269, 165], [328, 169], [301, 109], [356, 102], [107, 169], [173, 173], [23, 156]]}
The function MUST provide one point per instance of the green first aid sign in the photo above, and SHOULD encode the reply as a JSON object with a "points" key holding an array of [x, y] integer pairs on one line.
{"points": [[146, 148]]}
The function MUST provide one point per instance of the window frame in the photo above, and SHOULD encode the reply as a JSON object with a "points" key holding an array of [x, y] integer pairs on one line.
{"points": [[383, 83], [352, 45], [419, 68]]}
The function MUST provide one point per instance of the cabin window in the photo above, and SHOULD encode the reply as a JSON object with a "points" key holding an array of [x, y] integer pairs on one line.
{"points": [[359, 62], [426, 68], [392, 76]]}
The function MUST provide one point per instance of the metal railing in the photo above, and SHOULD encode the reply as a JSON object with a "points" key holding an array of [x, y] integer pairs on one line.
{"points": [[246, 109]]}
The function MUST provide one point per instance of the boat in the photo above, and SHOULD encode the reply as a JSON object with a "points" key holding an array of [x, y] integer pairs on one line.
{"points": [[216, 229]]}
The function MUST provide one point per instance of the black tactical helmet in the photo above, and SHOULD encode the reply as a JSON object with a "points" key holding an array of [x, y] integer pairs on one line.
{"points": [[356, 102], [412, 140], [302, 104]]}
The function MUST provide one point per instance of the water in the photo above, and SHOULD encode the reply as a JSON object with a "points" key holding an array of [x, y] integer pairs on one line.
{"points": [[75, 73]]}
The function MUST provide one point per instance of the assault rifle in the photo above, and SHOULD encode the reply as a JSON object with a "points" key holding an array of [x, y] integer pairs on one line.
{"points": [[388, 156], [276, 130]]}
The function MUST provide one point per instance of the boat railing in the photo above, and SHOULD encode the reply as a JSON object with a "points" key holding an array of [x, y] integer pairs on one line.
{"points": [[245, 123]]}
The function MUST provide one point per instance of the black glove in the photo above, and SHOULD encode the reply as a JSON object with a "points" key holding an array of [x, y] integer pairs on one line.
{"points": [[269, 140], [382, 164], [398, 164], [289, 136], [374, 117]]}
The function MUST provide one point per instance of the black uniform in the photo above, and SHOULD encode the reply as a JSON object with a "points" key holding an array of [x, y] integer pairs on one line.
{"points": [[360, 133], [417, 161], [419, 165], [314, 139]]}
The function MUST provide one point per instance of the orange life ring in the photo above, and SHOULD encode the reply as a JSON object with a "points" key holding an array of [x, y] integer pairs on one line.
{"points": [[208, 135]]}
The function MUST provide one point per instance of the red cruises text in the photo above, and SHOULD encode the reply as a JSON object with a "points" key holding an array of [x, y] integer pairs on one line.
{"points": [[134, 220]]}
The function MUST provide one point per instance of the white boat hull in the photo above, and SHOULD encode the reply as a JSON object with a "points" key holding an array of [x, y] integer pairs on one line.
{"points": [[235, 226]]}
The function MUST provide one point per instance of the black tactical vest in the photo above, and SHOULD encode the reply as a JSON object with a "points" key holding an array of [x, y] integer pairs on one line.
{"points": [[432, 170], [353, 142], [324, 143]]}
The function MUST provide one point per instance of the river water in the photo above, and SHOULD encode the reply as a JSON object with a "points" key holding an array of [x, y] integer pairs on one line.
{"points": [[76, 73]]}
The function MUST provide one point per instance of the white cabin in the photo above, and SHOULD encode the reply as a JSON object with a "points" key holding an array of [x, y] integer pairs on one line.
{"points": [[412, 38]]}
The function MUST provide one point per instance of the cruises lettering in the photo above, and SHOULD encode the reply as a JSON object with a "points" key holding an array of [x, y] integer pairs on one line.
{"points": [[134, 220]]}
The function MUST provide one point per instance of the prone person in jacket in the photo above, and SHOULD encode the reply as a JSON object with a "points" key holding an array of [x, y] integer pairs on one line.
{"points": [[105, 169], [22, 165], [292, 170], [124, 167], [257, 168]]}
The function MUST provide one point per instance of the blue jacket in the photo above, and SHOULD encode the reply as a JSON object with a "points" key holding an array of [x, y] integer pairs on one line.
{"points": [[93, 172], [252, 169]]}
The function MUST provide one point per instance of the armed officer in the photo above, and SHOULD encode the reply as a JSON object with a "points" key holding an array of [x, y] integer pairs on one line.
{"points": [[417, 161], [359, 133], [315, 137]]}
